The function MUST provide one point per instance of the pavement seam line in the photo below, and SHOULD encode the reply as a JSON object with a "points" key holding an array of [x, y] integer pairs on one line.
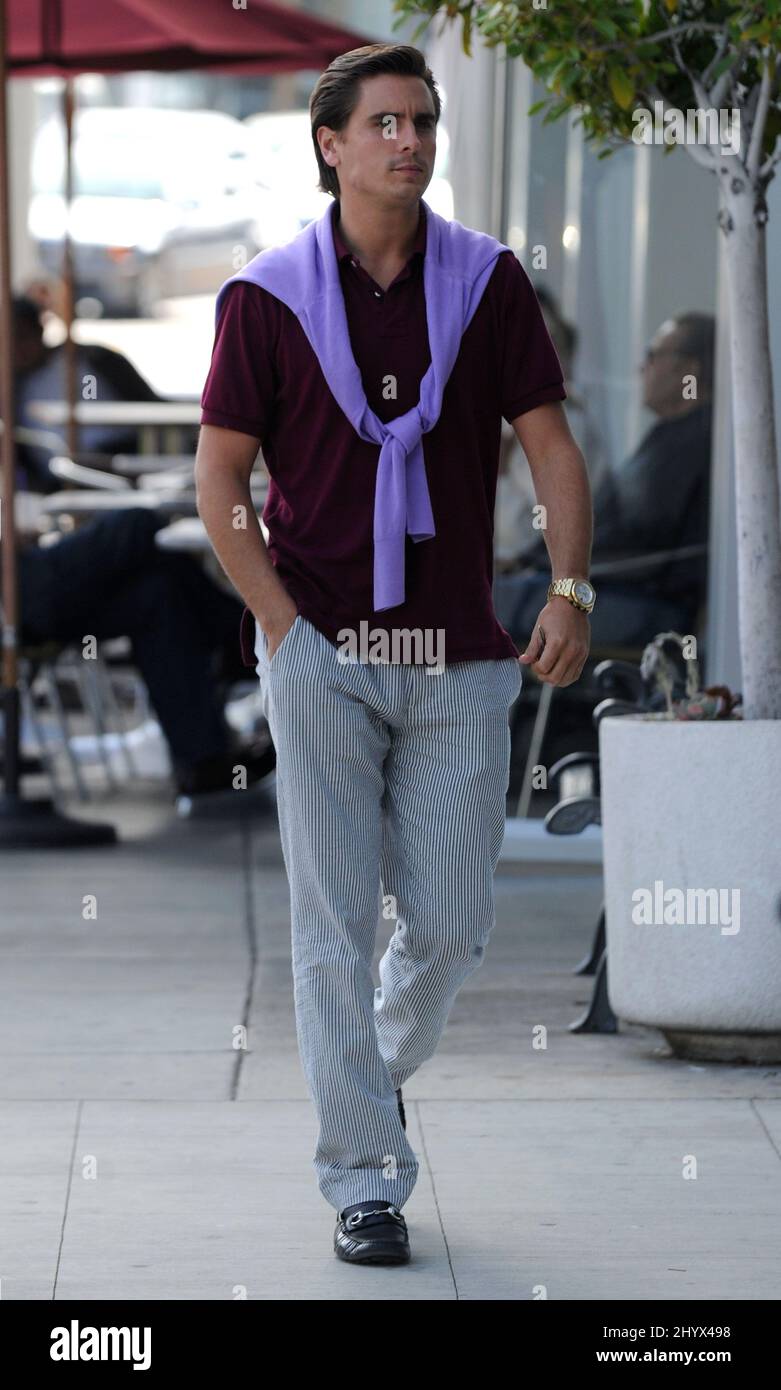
{"points": [[250, 931], [76, 1130]]}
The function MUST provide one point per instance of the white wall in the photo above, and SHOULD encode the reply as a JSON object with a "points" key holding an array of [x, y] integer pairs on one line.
{"points": [[473, 114], [682, 243], [604, 293]]}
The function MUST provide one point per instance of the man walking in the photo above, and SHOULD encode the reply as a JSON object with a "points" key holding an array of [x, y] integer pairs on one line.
{"points": [[373, 358]]}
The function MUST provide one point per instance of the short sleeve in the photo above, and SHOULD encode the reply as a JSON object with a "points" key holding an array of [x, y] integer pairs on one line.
{"points": [[241, 385], [530, 366]]}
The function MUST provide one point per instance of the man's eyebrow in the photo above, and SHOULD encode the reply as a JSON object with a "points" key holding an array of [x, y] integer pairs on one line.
{"points": [[377, 115]]}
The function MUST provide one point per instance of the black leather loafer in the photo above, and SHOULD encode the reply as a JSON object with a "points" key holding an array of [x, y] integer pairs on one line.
{"points": [[372, 1236]]}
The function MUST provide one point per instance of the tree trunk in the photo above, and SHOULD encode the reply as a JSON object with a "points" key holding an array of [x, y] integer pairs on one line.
{"points": [[757, 491]]}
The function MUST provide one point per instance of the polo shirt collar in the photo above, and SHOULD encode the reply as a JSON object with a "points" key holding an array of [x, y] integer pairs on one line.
{"points": [[343, 251]]}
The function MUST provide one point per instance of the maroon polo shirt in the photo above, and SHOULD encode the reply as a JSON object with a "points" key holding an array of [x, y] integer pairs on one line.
{"points": [[265, 380]]}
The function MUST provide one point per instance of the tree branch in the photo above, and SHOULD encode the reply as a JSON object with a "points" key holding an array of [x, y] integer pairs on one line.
{"points": [[697, 26], [700, 94], [694, 26], [724, 82], [760, 117], [701, 154], [770, 163], [720, 47], [698, 84]]}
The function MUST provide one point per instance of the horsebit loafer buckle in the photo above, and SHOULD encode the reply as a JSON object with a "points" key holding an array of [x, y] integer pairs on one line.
{"points": [[358, 1216]]}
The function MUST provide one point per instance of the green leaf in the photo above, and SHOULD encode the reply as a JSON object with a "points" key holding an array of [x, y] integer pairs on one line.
{"points": [[606, 27], [558, 71], [621, 87], [466, 33], [723, 64]]}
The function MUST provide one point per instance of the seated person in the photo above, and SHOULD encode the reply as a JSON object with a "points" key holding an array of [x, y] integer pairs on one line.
{"points": [[109, 579], [515, 496], [40, 375], [658, 499]]}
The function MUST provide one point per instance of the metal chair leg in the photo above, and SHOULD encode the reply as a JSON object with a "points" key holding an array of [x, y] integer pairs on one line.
{"points": [[31, 714], [93, 700], [49, 675], [116, 713], [590, 962], [599, 1017]]}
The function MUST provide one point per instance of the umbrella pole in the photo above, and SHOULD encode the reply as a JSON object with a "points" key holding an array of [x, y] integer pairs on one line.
{"points": [[67, 269], [23, 824], [7, 511]]}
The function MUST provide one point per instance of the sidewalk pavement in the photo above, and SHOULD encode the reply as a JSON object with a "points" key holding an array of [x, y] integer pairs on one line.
{"points": [[144, 1157]]}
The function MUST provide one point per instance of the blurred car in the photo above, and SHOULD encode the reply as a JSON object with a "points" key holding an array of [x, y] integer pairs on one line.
{"points": [[284, 165], [165, 203]]}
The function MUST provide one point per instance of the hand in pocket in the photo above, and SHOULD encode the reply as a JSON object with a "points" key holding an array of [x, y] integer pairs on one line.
{"points": [[276, 637]]}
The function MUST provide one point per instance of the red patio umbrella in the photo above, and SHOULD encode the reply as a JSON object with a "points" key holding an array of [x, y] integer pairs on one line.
{"points": [[64, 37]]}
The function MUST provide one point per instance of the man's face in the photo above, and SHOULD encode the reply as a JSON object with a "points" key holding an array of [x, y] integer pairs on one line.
{"points": [[665, 365], [392, 125]]}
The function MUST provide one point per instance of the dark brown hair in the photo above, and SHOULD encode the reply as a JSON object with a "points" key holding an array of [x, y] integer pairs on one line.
{"points": [[337, 91]]}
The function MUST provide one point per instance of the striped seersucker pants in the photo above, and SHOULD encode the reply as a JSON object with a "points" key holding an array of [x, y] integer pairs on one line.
{"points": [[391, 787]]}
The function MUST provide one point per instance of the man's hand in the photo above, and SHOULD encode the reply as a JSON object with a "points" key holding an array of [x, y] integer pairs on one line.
{"points": [[278, 628], [559, 643]]}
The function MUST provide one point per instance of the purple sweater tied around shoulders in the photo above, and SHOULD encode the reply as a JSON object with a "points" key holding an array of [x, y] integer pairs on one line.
{"points": [[304, 275]]}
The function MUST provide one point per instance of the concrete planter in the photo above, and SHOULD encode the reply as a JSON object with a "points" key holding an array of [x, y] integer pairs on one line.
{"points": [[689, 807]]}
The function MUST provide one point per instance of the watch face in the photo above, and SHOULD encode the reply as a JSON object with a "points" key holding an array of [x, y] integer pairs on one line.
{"points": [[583, 591]]}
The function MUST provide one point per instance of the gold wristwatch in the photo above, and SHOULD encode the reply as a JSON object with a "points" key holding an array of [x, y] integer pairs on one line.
{"points": [[578, 591]]}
